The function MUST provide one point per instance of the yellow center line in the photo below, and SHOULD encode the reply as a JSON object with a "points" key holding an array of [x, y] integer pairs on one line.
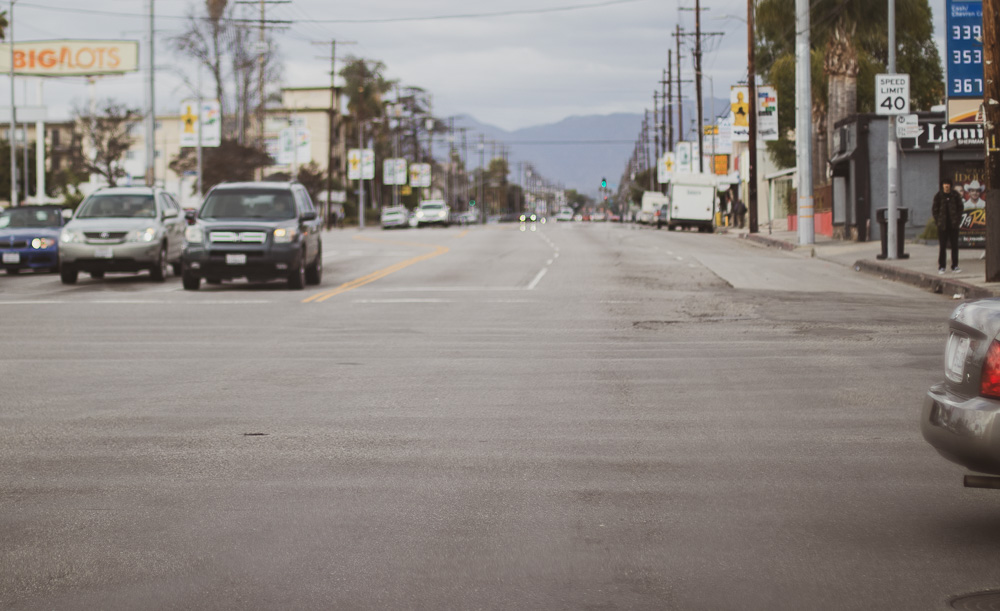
{"points": [[382, 273], [462, 235]]}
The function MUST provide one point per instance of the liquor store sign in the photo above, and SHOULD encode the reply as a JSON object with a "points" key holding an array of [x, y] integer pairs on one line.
{"points": [[71, 57], [938, 135]]}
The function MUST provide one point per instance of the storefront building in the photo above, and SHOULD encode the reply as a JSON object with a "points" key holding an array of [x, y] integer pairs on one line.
{"points": [[859, 174]]}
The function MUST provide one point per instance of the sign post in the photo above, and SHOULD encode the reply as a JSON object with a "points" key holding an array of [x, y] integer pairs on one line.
{"points": [[892, 97]]}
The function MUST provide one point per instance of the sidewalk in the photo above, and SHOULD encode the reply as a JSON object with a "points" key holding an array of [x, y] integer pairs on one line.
{"points": [[920, 269]]}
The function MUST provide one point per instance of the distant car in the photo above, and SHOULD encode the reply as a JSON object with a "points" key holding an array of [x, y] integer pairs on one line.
{"points": [[565, 214], [598, 217], [577, 217], [122, 229], [961, 414], [614, 218], [255, 230], [528, 217], [395, 216], [432, 212], [469, 217], [660, 215], [29, 238]]}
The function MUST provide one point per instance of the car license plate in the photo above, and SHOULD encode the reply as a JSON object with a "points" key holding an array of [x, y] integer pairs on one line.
{"points": [[236, 259], [11, 258], [955, 353], [103, 253]]}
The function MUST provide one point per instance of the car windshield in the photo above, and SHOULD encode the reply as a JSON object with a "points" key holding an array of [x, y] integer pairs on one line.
{"points": [[431, 206], [249, 204], [118, 206], [31, 217]]}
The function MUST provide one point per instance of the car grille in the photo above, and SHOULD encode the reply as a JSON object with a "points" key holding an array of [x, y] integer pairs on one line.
{"points": [[12, 243], [104, 237], [232, 237]]}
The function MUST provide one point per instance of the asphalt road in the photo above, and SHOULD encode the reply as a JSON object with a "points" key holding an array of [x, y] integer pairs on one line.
{"points": [[583, 416]]}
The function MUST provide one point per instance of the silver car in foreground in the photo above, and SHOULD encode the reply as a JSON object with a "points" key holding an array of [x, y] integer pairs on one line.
{"points": [[123, 229], [961, 414]]}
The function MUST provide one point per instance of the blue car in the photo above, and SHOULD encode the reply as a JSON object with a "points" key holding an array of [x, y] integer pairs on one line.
{"points": [[29, 238]]}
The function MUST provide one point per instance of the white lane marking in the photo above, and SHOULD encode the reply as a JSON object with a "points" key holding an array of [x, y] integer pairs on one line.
{"points": [[537, 279], [549, 262], [680, 258], [556, 256]]}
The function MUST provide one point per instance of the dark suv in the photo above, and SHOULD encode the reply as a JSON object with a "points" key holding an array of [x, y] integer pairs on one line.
{"points": [[254, 230]]}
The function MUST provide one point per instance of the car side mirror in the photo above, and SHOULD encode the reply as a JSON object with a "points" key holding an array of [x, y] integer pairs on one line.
{"points": [[190, 216], [67, 214], [169, 214], [309, 216]]}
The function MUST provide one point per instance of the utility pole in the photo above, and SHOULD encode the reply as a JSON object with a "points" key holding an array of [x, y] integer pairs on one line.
{"points": [[664, 95], [892, 150], [680, 97], [482, 171], [754, 105], [13, 113], [451, 159], [151, 111], [697, 84], [656, 125], [803, 123], [991, 125], [333, 120]]}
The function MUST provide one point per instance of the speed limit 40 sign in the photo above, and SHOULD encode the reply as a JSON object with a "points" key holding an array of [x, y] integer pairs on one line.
{"points": [[892, 94]]}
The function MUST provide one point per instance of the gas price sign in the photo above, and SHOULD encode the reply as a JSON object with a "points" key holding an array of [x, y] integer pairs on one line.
{"points": [[965, 49]]}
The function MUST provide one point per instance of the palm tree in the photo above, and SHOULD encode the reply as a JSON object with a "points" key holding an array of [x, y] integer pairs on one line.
{"points": [[849, 46]]}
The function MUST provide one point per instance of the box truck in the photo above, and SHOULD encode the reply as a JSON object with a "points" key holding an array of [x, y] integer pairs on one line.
{"points": [[692, 201]]}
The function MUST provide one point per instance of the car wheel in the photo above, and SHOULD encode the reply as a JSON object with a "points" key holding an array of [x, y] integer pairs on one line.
{"points": [[96, 275], [297, 277], [13, 271], [67, 275], [191, 282], [314, 273], [159, 270]]}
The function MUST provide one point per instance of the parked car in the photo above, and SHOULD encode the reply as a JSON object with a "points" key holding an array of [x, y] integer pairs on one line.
{"points": [[961, 414], [598, 217], [254, 230], [565, 214], [395, 216], [432, 212], [29, 238], [122, 229]]}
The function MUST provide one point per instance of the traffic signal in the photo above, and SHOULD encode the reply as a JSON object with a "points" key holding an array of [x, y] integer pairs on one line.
{"points": [[604, 183], [605, 198], [472, 203]]}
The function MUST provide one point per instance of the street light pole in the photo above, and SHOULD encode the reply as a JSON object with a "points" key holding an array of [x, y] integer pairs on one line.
{"points": [[13, 114]]}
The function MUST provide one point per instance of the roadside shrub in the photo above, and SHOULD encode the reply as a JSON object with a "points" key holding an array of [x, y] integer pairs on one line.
{"points": [[930, 231]]}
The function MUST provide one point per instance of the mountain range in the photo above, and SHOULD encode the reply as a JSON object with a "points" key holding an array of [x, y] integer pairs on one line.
{"points": [[576, 152]]}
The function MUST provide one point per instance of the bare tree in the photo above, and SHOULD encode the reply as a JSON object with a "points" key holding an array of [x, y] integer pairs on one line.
{"points": [[108, 133], [203, 39]]}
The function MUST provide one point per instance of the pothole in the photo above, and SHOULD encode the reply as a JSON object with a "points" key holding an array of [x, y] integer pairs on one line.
{"points": [[977, 601]]}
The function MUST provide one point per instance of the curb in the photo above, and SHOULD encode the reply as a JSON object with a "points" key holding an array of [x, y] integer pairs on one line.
{"points": [[768, 241], [933, 283]]}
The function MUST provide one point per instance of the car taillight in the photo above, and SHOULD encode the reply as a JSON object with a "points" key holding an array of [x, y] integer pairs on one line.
{"points": [[989, 385]]}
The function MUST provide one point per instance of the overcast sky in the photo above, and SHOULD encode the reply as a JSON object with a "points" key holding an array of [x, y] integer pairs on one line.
{"points": [[534, 64]]}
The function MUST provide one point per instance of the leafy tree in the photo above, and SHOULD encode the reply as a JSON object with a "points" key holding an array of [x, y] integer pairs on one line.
{"points": [[231, 161], [108, 134], [849, 46]]}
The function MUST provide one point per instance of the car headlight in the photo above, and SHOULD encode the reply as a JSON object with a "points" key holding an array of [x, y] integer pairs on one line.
{"points": [[141, 235], [42, 243], [522, 218], [194, 234], [284, 235], [68, 235], [420, 214]]}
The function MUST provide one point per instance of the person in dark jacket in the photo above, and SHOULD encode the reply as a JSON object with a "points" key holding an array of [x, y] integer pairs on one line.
{"points": [[947, 211]]}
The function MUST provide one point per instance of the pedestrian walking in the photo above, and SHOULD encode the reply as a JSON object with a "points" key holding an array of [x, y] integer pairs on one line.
{"points": [[739, 211], [947, 212]]}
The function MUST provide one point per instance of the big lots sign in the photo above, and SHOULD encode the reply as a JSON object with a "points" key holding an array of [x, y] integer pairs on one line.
{"points": [[71, 57]]}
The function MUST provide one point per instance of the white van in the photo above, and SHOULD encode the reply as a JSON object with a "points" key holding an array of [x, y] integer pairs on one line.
{"points": [[651, 202], [692, 202]]}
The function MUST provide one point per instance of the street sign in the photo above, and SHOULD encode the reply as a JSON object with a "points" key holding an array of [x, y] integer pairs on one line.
{"points": [[665, 169], [684, 157], [767, 113], [211, 126], [367, 164], [892, 94], [394, 172], [354, 164], [907, 126]]}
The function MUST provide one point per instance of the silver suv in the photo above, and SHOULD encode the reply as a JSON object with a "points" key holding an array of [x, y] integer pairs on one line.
{"points": [[123, 229]]}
